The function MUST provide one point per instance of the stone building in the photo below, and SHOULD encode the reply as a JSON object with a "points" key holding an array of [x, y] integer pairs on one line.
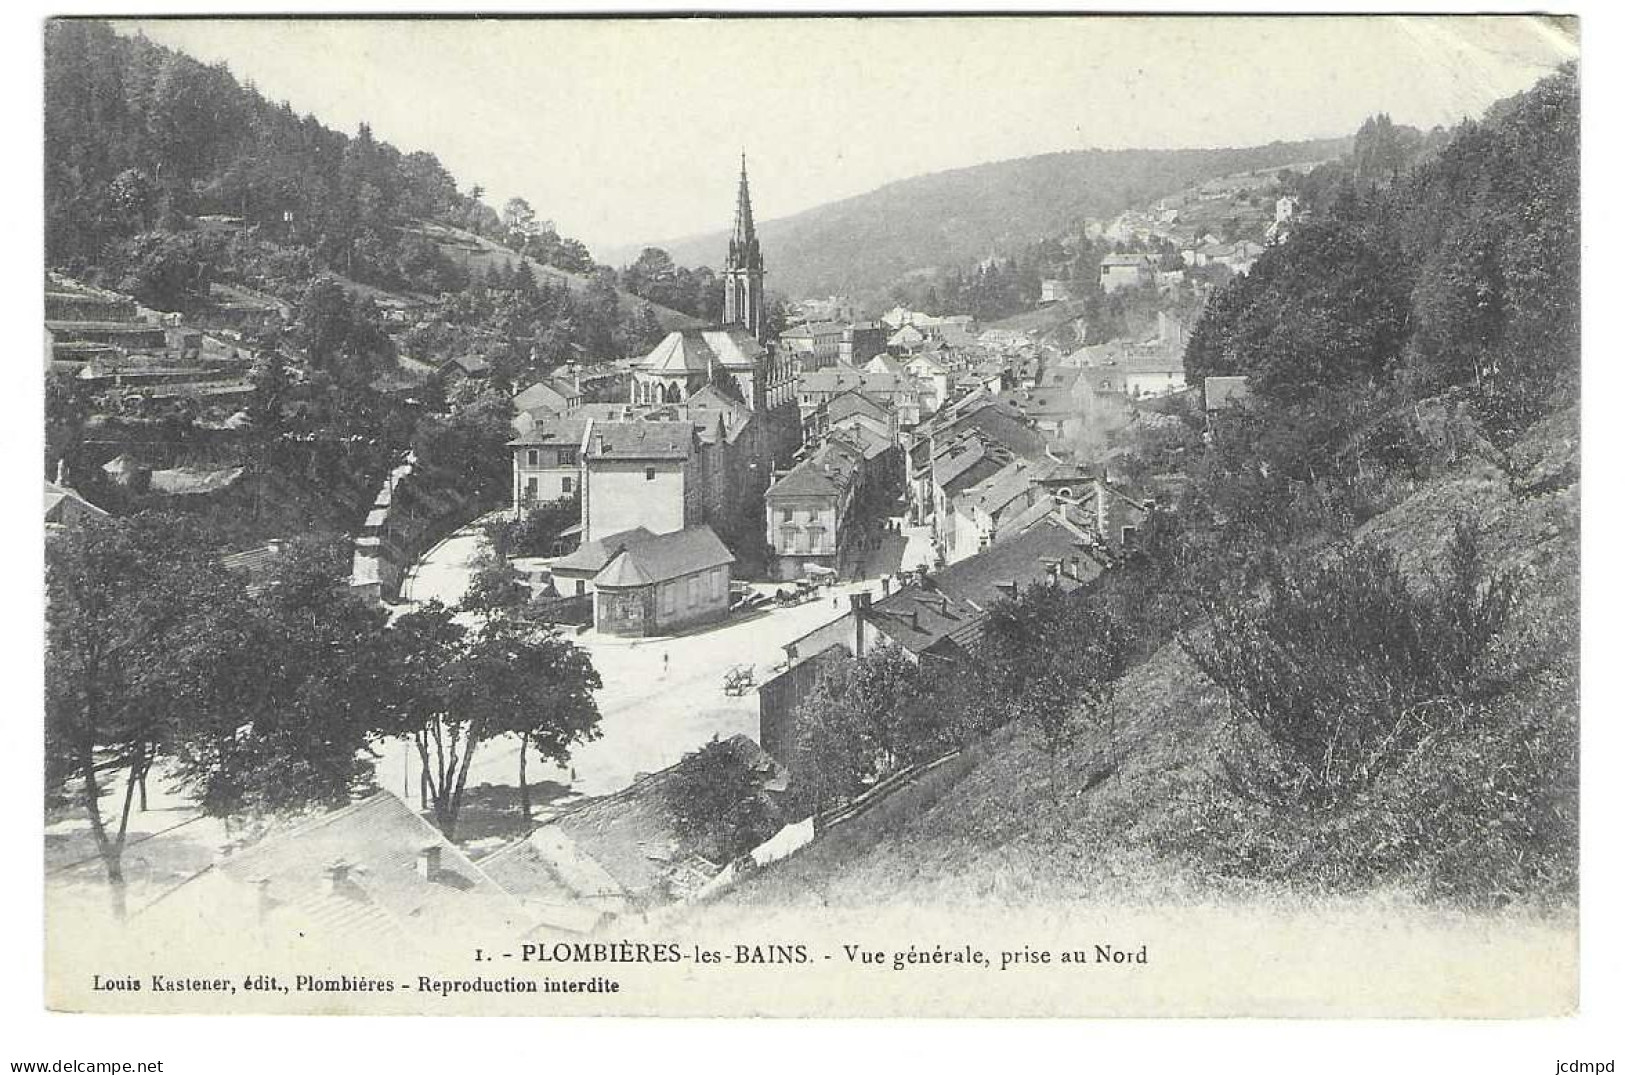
{"points": [[663, 584]]}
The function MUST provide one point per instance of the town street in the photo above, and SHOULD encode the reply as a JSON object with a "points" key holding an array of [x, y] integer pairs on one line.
{"points": [[662, 697]]}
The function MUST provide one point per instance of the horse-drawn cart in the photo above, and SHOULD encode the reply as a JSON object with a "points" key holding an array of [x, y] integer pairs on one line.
{"points": [[738, 680]]}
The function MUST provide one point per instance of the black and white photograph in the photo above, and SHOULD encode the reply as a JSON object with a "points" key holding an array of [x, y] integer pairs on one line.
{"points": [[886, 516]]}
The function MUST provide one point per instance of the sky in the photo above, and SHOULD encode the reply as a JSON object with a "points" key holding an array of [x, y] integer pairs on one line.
{"points": [[629, 131]]}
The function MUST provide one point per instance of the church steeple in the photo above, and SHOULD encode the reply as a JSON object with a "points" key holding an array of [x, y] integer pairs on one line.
{"points": [[744, 301]]}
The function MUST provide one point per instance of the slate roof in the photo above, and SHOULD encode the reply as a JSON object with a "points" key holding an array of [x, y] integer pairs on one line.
{"points": [[470, 364], [63, 504], [999, 421], [711, 401], [1022, 558], [695, 350], [664, 557], [639, 440], [812, 329], [631, 837], [556, 880], [855, 402], [590, 557], [545, 393], [379, 840], [1006, 485], [826, 472], [551, 431], [919, 620], [884, 363]]}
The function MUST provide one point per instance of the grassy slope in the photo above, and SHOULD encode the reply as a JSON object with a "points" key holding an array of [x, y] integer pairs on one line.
{"points": [[1001, 836], [477, 254]]}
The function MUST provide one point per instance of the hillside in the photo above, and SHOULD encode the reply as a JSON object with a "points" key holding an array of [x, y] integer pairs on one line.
{"points": [[1142, 808], [1345, 665], [477, 255], [860, 245]]}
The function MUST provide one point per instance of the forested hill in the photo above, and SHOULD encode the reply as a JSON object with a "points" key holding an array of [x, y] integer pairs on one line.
{"points": [[143, 140], [860, 245], [1462, 271]]}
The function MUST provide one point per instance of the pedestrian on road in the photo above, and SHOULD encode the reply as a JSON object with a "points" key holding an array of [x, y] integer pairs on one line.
{"points": [[665, 664]]}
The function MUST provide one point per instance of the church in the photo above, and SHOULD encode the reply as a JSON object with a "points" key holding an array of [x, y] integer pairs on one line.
{"points": [[736, 357], [726, 386]]}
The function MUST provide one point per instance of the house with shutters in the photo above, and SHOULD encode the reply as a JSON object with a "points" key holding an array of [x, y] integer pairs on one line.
{"points": [[809, 509], [546, 462]]}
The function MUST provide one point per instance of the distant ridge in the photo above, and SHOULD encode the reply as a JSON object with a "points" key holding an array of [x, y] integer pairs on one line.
{"points": [[858, 246]]}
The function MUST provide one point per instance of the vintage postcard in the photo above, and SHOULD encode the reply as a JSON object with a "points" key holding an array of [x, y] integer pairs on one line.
{"points": [[841, 516]]}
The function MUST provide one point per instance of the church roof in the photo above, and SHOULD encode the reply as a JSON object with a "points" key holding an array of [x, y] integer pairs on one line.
{"points": [[698, 350]]}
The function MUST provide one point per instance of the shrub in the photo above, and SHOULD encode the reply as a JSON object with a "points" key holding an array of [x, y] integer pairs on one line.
{"points": [[1343, 670]]}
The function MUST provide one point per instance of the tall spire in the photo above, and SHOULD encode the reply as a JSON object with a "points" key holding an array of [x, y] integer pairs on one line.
{"points": [[743, 296], [744, 247]]}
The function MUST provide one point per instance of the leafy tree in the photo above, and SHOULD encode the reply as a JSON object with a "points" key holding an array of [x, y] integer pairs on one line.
{"points": [[163, 270], [867, 718], [145, 641], [462, 686], [537, 531], [1327, 309], [717, 801], [470, 443], [320, 676], [340, 334], [495, 587], [1052, 659]]}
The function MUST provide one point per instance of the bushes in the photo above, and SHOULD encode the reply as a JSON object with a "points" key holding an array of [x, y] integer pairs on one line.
{"points": [[536, 533], [867, 718], [1344, 670], [718, 803], [1391, 733]]}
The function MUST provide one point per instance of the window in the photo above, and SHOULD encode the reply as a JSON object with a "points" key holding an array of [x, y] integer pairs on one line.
{"points": [[648, 474], [787, 515], [566, 486], [716, 582], [668, 597], [1128, 536], [567, 457], [531, 489], [533, 458]]}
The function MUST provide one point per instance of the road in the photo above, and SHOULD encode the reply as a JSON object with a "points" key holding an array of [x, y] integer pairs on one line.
{"points": [[661, 697]]}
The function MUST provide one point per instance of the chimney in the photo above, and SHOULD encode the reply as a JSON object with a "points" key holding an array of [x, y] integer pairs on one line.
{"points": [[62, 471], [885, 586], [429, 863], [860, 609], [1101, 521], [334, 877]]}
